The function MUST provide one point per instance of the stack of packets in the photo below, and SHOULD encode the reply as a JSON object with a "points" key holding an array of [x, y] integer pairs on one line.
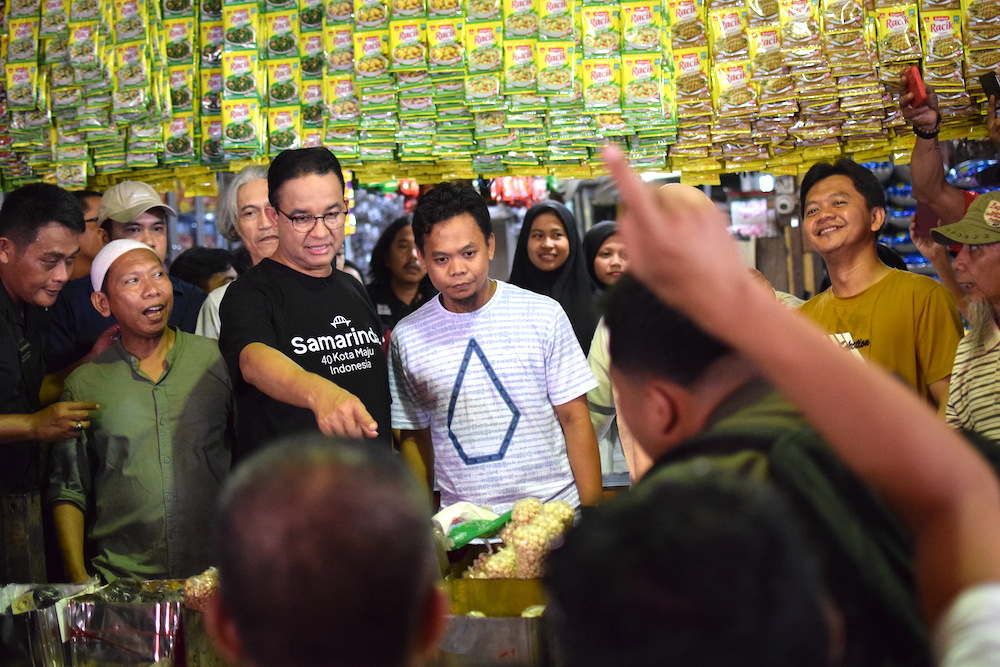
{"points": [[447, 88]]}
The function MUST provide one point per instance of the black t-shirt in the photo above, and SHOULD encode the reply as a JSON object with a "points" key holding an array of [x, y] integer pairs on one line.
{"points": [[21, 373], [327, 326], [389, 307]]}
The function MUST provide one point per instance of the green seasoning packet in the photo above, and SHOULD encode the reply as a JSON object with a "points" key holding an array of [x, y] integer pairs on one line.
{"points": [[464, 533]]}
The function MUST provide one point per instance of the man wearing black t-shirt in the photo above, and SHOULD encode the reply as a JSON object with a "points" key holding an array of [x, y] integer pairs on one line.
{"points": [[302, 341]]}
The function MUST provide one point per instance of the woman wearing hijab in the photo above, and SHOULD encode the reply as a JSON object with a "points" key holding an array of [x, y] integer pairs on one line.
{"points": [[605, 252], [549, 260]]}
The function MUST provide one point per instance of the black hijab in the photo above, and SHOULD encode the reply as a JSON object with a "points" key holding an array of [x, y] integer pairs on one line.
{"points": [[592, 242], [569, 284]]}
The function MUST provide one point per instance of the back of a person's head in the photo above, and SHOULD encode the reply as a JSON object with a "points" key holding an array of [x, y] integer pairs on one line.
{"points": [[865, 182], [649, 338], [198, 264], [444, 202], [325, 555], [30, 207], [706, 573]]}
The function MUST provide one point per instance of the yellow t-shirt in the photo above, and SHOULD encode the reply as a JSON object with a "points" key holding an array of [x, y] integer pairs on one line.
{"points": [[907, 323]]}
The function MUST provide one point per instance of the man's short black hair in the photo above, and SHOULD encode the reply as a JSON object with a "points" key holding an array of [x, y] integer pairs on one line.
{"points": [[647, 337], [300, 162], [30, 207], [865, 182], [197, 265], [706, 573], [325, 555], [378, 272], [446, 201]]}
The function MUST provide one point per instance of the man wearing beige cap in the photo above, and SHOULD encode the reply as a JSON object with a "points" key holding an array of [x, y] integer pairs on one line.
{"points": [[132, 491], [128, 210], [972, 399]]}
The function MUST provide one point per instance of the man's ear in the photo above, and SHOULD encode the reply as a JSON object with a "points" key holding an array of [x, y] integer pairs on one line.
{"points": [[8, 250], [103, 234], [100, 301], [669, 406], [878, 218], [272, 214], [222, 630], [434, 621]]}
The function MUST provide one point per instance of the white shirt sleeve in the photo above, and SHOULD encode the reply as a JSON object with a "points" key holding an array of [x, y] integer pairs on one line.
{"points": [[969, 632]]}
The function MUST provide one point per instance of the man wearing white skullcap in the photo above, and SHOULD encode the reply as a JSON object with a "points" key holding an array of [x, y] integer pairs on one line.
{"points": [[132, 491]]}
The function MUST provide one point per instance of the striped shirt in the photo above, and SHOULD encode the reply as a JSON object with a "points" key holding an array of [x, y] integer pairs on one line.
{"points": [[485, 383], [973, 397]]}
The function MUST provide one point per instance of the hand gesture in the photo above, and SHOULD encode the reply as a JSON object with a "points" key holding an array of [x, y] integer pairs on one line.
{"points": [[105, 340], [339, 412], [62, 421], [933, 252], [926, 116]]}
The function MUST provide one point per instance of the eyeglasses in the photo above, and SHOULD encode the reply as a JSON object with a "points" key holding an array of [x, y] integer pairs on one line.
{"points": [[306, 223]]}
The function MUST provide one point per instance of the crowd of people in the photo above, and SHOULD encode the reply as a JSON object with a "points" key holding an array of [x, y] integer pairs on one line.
{"points": [[791, 505]]}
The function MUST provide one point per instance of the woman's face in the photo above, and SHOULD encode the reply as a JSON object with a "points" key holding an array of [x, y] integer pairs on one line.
{"points": [[548, 245], [611, 261]]}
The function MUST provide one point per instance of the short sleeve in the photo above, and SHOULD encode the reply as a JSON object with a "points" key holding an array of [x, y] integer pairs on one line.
{"points": [[407, 410], [245, 317], [69, 470], [967, 634], [939, 330], [567, 375], [600, 400], [209, 322]]}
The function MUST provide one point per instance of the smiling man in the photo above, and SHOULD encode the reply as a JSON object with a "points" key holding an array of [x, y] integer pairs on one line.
{"points": [[129, 496], [303, 341], [488, 382], [40, 227], [972, 400], [904, 322]]}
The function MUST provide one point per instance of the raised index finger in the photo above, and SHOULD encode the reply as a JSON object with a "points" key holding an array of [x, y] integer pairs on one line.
{"points": [[81, 405]]}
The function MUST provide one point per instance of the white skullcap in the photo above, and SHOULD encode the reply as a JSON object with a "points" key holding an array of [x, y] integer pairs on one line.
{"points": [[107, 256]]}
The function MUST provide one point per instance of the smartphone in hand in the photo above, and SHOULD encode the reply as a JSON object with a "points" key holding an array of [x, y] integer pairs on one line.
{"points": [[991, 86], [924, 220], [915, 86]]}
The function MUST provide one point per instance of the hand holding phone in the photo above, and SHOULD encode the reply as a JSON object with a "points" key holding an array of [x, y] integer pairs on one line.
{"points": [[991, 86], [915, 86]]}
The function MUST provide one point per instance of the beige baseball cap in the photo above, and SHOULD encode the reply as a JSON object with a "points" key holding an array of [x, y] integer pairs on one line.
{"points": [[107, 256], [981, 224], [128, 200]]}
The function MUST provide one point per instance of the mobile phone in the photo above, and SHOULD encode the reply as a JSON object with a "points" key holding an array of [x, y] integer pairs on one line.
{"points": [[915, 86], [925, 220], [991, 86]]}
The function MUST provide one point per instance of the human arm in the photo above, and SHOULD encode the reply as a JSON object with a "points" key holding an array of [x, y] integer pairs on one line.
{"points": [[417, 451], [69, 534], [926, 162], [937, 255], [52, 384], [581, 448], [600, 399], [939, 394], [337, 411], [50, 424], [947, 494]]}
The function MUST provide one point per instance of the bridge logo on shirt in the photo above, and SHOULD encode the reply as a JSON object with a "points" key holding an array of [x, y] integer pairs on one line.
{"points": [[344, 351], [474, 349]]}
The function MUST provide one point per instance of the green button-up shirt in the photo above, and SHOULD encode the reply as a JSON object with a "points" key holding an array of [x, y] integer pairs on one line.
{"points": [[147, 472]]}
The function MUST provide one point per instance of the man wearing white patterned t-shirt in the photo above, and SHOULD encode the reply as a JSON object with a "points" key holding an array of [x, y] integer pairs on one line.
{"points": [[488, 381]]}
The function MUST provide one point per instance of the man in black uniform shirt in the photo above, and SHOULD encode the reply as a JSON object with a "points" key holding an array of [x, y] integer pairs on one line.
{"points": [[40, 227], [128, 210], [302, 341]]}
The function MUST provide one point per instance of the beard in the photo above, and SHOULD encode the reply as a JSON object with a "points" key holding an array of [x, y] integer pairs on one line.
{"points": [[982, 319]]}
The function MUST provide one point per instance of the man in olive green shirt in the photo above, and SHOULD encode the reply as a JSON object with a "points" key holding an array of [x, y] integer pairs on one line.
{"points": [[132, 496]]}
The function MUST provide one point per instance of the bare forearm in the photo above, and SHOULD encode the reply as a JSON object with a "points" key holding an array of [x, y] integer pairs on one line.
{"points": [[417, 451], [581, 448], [69, 534], [930, 185], [16, 428], [278, 376]]}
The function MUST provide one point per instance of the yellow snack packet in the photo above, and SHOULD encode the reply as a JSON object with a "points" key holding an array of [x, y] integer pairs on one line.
{"points": [[732, 94], [601, 30], [898, 33], [641, 26], [284, 129], [520, 19], [728, 33], [484, 47], [371, 57], [555, 62], [641, 83], [602, 85], [445, 37], [555, 19], [519, 73], [407, 45], [942, 33], [284, 79], [687, 23]]}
